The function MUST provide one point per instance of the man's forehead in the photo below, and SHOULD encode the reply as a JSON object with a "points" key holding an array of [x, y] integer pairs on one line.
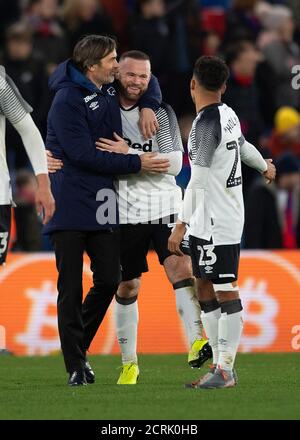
{"points": [[139, 66]]}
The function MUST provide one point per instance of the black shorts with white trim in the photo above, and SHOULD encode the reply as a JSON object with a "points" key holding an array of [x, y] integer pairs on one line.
{"points": [[136, 240], [216, 263]]}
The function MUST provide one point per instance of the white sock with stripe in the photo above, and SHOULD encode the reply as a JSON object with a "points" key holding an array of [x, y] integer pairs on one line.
{"points": [[188, 309], [230, 331], [126, 316]]}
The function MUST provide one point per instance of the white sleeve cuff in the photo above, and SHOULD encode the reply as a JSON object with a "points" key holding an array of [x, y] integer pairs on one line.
{"points": [[175, 158]]}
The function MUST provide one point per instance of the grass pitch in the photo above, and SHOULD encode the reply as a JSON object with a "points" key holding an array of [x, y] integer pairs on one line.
{"points": [[35, 388]]}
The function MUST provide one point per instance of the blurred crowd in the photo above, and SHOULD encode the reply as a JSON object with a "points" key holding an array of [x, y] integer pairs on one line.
{"points": [[260, 41]]}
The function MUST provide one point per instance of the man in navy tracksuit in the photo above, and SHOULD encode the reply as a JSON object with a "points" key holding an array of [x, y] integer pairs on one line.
{"points": [[84, 109]]}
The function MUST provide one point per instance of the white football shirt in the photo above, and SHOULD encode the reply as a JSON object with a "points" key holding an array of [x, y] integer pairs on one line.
{"points": [[146, 197], [215, 144]]}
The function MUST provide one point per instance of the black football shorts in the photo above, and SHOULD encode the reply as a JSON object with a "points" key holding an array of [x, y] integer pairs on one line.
{"points": [[135, 243], [5, 220], [216, 263]]}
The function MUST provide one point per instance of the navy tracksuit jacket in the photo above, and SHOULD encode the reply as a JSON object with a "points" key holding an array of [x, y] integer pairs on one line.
{"points": [[79, 115]]}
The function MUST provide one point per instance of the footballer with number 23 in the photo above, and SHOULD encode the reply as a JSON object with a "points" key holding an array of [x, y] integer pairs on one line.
{"points": [[213, 207]]}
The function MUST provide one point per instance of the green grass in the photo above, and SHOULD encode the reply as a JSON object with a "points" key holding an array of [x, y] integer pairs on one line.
{"points": [[35, 388]]}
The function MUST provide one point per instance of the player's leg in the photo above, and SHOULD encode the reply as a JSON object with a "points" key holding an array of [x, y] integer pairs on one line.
{"points": [[210, 307], [230, 323], [69, 248], [126, 318], [103, 249], [135, 241], [179, 273], [210, 315]]}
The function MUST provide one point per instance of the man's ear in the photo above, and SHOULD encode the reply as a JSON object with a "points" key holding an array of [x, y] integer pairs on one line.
{"points": [[192, 88], [192, 84], [223, 89]]}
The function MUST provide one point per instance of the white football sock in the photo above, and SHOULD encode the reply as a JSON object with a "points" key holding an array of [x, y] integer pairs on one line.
{"points": [[210, 322], [126, 319], [188, 308], [230, 330]]}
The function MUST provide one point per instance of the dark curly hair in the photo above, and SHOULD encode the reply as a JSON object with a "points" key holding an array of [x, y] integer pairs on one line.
{"points": [[211, 72]]}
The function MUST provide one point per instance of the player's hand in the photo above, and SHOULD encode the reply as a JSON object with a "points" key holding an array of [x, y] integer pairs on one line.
{"points": [[117, 146], [52, 163], [152, 165], [148, 123], [44, 200], [176, 238], [270, 173]]}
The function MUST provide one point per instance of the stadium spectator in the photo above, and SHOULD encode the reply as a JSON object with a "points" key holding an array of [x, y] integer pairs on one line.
{"points": [[27, 70], [273, 211], [83, 17], [282, 54], [295, 7], [242, 92], [242, 21], [10, 12], [211, 43], [243, 95], [286, 134], [150, 26], [48, 35], [118, 10], [160, 30]]}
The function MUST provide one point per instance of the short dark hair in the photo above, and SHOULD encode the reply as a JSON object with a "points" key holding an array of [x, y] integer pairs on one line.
{"points": [[91, 49], [211, 72], [135, 55]]}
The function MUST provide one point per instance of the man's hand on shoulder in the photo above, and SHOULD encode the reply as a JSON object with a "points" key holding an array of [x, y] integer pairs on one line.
{"points": [[148, 123], [117, 146]]}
